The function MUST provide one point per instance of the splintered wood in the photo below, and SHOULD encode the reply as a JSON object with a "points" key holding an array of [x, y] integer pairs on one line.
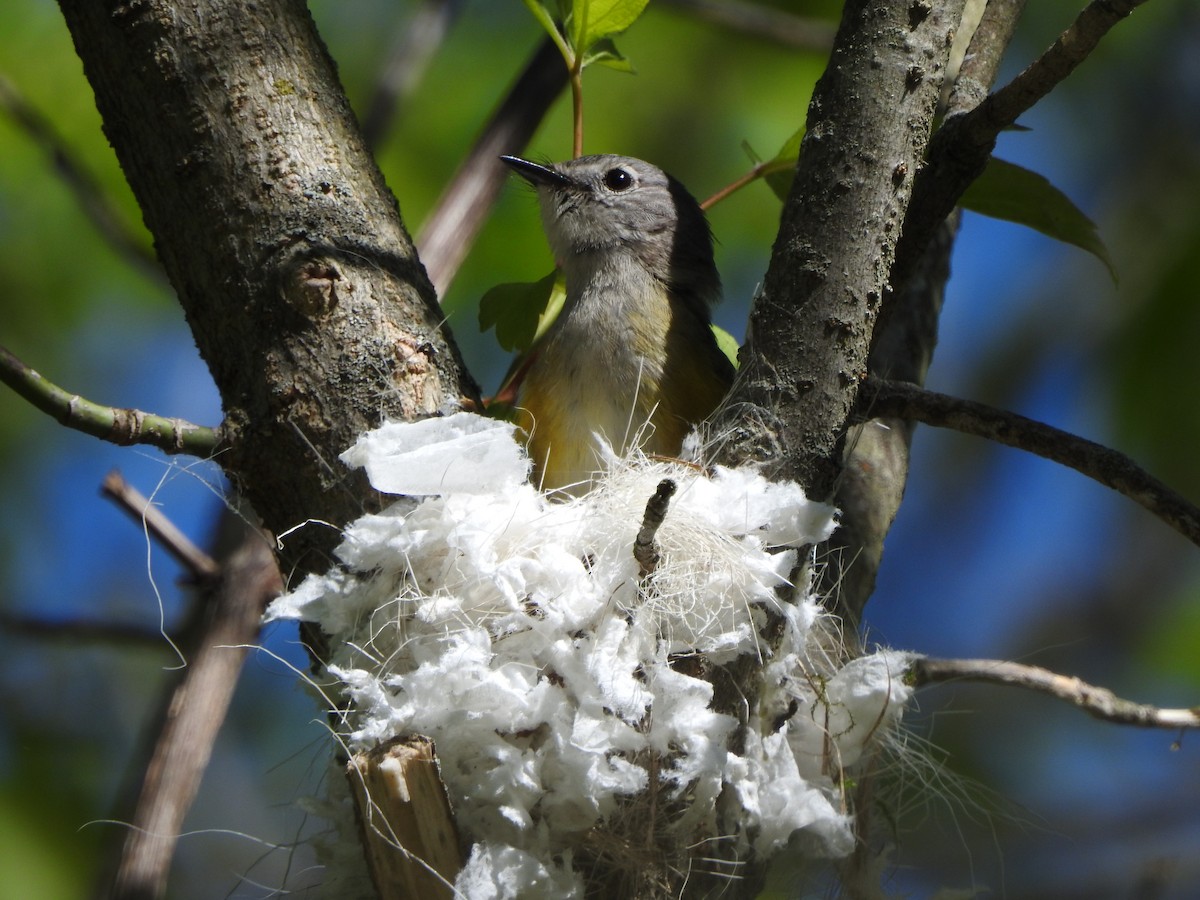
{"points": [[408, 830]]}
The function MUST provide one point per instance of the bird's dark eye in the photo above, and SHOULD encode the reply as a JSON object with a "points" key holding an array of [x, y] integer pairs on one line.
{"points": [[618, 180]]}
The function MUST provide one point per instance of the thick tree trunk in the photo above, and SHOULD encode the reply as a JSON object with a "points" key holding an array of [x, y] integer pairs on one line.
{"points": [[285, 247]]}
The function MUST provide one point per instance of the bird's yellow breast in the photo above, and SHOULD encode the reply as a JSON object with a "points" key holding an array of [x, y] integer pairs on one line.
{"points": [[641, 376]]}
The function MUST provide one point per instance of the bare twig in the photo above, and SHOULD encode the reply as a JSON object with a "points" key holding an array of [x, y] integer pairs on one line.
{"points": [[201, 566], [960, 149], [95, 204], [1100, 463], [757, 20], [117, 425], [455, 221], [1095, 701], [193, 715], [406, 63], [645, 547]]}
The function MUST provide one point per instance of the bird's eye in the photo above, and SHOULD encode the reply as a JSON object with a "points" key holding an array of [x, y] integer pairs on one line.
{"points": [[618, 180]]}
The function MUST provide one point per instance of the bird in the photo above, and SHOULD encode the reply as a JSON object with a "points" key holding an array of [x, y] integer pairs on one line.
{"points": [[632, 357]]}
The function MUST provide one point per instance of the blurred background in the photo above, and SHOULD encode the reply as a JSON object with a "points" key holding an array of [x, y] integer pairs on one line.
{"points": [[994, 554]]}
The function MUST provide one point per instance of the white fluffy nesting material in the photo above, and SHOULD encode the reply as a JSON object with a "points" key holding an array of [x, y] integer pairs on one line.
{"points": [[515, 632]]}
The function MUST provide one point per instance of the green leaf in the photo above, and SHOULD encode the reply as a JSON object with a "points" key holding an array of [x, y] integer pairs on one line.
{"points": [[542, 13], [780, 170], [727, 343], [593, 20], [522, 312], [604, 52], [1015, 194]]}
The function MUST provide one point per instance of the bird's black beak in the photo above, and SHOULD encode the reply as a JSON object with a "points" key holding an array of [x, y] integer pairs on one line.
{"points": [[536, 173]]}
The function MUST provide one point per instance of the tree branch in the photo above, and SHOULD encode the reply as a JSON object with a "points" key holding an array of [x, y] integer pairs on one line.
{"points": [[873, 479], [411, 53], [406, 826], [981, 61], [228, 620], [283, 243], [76, 631], [202, 567], [960, 149], [96, 205], [760, 21], [1100, 463], [453, 225], [1095, 701], [117, 425], [645, 545], [810, 329]]}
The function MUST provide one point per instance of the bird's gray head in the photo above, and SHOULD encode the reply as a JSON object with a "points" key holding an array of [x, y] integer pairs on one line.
{"points": [[629, 208]]}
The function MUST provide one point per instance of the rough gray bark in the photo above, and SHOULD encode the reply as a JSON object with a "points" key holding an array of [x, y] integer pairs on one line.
{"points": [[810, 330], [282, 241], [875, 472], [812, 327]]}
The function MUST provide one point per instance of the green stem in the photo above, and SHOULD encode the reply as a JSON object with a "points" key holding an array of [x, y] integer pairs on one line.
{"points": [[109, 423], [577, 104], [759, 171]]}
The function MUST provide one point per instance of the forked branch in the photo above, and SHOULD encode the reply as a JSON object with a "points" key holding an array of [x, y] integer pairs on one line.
{"points": [[960, 149]]}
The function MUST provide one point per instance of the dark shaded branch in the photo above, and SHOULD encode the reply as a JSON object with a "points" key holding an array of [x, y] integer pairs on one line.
{"points": [[96, 205], [117, 425], [960, 149], [1100, 463], [413, 49], [74, 630], [193, 713], [455, 221], [760, 21], [1095, 701]]}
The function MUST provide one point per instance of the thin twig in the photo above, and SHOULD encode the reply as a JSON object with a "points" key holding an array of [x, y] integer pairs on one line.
{"points": [[736, 185], [406, 62], [576, 82], [75, 630], [1103, 464], [453, 225], [193, 714], [1095, 701], [117, 425], [960, 149], [202, 567], [94, 203], [645, 547]]}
